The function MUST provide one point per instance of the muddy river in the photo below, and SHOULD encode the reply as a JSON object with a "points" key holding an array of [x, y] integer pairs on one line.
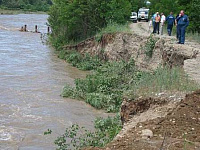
{"points": [[31, 80]]}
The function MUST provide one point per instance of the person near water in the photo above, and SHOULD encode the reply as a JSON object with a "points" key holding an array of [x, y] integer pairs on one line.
{"points": [[170, 23], [162, 23], [183, 22], [157, 23]]}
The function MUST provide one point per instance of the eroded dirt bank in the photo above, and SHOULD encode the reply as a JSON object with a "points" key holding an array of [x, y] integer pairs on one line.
{"points": [[161, 123], [168, 121], [137, 45]]}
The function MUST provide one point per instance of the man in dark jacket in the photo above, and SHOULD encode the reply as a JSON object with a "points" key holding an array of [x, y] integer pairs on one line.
{"points": [[183, 22], [170, 22]]}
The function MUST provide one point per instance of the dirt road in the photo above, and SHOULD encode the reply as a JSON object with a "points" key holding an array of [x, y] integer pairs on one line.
{"points": [[191, 66]]}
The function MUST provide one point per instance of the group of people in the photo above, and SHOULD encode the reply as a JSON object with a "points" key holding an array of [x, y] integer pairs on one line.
{"points": [[181, 22]]}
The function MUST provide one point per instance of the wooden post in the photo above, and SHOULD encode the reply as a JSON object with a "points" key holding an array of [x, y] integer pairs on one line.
{"points": [[25, 28], [36, 29], [22, 29], [48, 30]]}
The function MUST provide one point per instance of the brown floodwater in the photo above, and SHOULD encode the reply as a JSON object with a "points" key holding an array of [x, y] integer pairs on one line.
{"points": [[31, 80]]}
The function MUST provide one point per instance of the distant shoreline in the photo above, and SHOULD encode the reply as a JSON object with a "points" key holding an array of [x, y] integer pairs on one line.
{"points": [[19, 11]]}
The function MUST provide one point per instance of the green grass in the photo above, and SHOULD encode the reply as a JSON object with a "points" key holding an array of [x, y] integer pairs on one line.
{"points": [[193, 37], [104, 88], [163, 79], [113, 28], [83, 62]]}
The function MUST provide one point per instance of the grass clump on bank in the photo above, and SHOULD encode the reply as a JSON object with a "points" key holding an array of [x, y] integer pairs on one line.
{"points": [[83, 62], [163, 79], [113, 28], [193, 36], [104, 88]]}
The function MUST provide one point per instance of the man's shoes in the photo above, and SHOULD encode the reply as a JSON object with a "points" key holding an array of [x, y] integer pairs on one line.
{"points": [[179, 43]]}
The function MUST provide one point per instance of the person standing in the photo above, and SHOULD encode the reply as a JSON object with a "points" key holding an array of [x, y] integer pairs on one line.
{"points": [[162, 23], [177, 30], [183, 22], [157, 23], [153, 20], [170, 22]]}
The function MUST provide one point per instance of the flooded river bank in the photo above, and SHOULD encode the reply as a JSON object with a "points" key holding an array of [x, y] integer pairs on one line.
{"points": [[32, 78]]}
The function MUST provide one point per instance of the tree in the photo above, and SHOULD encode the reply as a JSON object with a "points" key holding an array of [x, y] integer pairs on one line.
{"points": [[194, 16], [74, 20]]}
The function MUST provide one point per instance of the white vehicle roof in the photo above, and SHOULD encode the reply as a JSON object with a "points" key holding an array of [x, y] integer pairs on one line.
{"points": [[143, 9]]}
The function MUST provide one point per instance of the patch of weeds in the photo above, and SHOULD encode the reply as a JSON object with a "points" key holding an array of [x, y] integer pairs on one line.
{"points": [[104, 88], [76, 137], [149, 47], [163, 79], [83, 62], [193, 36], [112, 28], [186, 142]]}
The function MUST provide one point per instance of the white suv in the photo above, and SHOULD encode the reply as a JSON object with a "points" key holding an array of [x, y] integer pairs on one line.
{"points": [[143, 14], [133, 17]]}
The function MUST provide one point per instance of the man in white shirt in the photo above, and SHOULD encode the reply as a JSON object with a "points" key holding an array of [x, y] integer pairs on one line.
{"points": [[162, 23]]}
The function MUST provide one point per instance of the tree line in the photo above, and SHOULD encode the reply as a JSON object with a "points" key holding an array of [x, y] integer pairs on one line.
{"points": [[34, 5], [75, 20]]}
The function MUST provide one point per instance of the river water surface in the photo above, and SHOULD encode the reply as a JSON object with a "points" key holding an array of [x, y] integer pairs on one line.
{"points": [[31, 79]]}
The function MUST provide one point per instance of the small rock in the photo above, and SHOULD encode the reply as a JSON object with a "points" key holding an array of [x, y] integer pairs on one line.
{"points": [[147, 134]]}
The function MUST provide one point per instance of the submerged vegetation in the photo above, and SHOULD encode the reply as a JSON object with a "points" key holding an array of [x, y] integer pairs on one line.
{"points": [[76, 137]]}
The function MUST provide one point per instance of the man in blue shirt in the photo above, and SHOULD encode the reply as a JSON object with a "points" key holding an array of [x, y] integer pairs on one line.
{"points": [[153, 19], [170, 22], [183, 22]]}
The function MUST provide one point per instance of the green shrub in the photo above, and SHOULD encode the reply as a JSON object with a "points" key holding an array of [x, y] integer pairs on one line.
{"points": [[104, 88], [149, 47], [83, 62], [76, 137]]}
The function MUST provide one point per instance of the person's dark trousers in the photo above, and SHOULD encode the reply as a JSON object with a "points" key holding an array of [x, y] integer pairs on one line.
{"points": [[182, 30], [154, 28], [157, 27], [177, 32], [169, 29], [153, 24]]}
